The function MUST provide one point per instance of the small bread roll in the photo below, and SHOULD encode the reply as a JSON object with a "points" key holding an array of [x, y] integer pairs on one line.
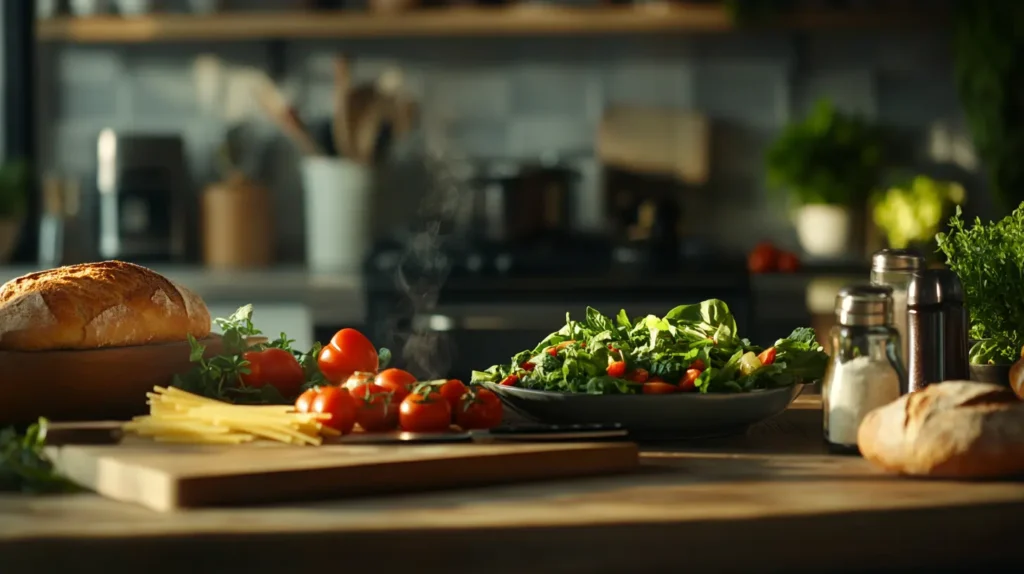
{"points": [[955, 429], [92, 305]]}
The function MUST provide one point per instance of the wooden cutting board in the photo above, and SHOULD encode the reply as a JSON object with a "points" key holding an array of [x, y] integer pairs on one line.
{"points": [[167, 477]]}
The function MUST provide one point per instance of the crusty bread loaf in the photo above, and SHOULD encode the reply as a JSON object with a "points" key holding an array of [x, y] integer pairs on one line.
{"points": [[955, 429], [108, 304]]}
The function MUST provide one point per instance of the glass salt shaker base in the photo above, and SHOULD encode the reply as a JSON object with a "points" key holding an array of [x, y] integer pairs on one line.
{"points": [[842, 449]]}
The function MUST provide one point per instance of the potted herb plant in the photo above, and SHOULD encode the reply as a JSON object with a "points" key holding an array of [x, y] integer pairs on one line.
{"points": [[989, 260], [911, 211], [14, 179], [827, 163]]}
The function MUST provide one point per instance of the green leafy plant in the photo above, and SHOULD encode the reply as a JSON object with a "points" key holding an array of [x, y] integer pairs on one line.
{"points": [[220, 377], [830, 158], [14, 181], [989, 260], [988, 57], [912, 211], [24, 465]]}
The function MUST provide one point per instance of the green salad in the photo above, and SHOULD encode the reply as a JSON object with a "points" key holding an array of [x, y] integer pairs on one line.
{"points": [[694, 348]]}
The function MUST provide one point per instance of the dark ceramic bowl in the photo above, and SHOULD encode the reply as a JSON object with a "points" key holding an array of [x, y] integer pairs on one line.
{"points": [[680, 415], [996, 374]]}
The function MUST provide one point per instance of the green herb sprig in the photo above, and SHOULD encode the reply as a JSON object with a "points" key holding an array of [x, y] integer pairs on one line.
{"points": [[24, 465], [989, 261], [220, 377]]}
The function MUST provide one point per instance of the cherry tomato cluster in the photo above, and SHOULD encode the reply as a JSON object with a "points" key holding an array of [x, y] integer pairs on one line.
{"points": [[766, 258], [391, 398]]}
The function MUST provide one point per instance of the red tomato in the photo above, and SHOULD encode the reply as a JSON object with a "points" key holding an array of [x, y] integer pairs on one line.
{"points": [[396, 381], [305, 401], [510, 381], [275, 367], [527, 366], [617, 369], [698, 364], [763, 258], [376, 409], [659, 387], [638, 376], [788, 262], [479, 409], [767, 356], [688, 382], [452, 391], [338, 403], [425, 413], [358, 378], [348, 352]]}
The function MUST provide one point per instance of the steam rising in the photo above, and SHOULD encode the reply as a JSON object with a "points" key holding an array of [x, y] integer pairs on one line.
{"points": [[424, 269]]}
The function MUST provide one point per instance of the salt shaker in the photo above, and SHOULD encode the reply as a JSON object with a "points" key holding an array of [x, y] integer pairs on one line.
{"points": [[865, 370], [896, 268], [937, 330]]}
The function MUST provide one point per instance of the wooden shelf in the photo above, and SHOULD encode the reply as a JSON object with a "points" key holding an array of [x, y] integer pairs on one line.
{"points": [[519, 20]]}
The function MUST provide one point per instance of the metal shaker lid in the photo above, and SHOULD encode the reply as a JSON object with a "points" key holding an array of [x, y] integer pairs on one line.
{"points": [[864, 305], [934, 287], [896, 260]]}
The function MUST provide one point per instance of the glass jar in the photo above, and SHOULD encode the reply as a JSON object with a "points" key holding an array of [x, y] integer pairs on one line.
{"points": [[865, 370], [896, 268]]}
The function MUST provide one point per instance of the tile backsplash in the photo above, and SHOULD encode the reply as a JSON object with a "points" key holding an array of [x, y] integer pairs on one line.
{"points": [[520, 97]]}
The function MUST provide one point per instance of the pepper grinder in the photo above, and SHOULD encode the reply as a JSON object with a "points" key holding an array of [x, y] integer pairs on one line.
{"points": [[936, 329]]}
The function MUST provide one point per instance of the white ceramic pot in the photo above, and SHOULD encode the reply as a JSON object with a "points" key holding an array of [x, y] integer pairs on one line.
{"points": [[824, 230], [337, 194]]}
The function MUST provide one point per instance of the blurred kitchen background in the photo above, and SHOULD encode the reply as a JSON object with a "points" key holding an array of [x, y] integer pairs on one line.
{"points": [[500, 163]]}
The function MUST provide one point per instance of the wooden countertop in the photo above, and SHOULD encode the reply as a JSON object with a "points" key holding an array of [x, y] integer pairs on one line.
{"points": [[770, 501]]}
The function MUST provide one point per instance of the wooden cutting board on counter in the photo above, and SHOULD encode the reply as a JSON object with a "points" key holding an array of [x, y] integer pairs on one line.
{"points": [[168, 477]]}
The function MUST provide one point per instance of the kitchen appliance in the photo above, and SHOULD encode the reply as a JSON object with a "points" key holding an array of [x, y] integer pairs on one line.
{"points": [[141, 199], [519, 202]]}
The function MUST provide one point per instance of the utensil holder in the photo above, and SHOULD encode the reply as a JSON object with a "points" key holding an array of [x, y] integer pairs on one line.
{"points": [[237, 225], [338, 212]]}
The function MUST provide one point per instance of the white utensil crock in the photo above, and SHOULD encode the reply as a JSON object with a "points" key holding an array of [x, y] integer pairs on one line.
{"points": [[337, 194]]}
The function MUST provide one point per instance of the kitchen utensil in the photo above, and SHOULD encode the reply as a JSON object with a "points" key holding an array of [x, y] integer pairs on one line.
{"points": [[90, 384], [936, 329], [652, 417], [656, 141], [141, 194], [279, 111], [169, 477], [338, 211], [237, 224], [341, 128], [520, 202], [368, 130]]}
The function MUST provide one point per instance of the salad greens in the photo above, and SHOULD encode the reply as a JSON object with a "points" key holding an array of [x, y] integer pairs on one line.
{"points": [[587, 356]]}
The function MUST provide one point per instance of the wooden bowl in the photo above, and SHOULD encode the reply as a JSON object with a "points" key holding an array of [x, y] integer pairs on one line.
{"points": [[95, 384]]}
